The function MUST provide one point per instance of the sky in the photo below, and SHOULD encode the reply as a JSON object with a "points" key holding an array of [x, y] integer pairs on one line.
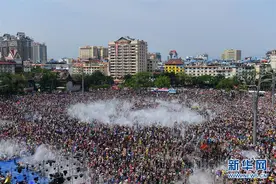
{"points": [[190, 27]]}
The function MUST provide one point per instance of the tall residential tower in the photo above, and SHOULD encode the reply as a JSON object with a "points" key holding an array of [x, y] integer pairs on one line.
{"points": [[19, 43], [39, 53], [231, 54], [127, 56]]}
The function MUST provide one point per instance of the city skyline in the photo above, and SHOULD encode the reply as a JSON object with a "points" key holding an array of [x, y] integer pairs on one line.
{"points": [[190, 27]]}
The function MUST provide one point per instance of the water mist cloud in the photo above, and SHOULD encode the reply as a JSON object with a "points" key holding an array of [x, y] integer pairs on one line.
{"points": [[11, 148], [122, 112]]}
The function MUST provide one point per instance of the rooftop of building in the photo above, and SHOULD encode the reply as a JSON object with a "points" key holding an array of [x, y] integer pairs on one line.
{"points": [[174, 62], [91, 60], [18, 36], [128, 40], [7, 63]]}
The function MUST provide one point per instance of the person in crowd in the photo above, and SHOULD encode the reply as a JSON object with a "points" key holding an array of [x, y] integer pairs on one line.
{"points": [[146, 154]]}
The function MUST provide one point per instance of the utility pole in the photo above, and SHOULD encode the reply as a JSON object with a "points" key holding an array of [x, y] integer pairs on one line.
{"points": [[255, 109], [273, 90], [82, 79]]}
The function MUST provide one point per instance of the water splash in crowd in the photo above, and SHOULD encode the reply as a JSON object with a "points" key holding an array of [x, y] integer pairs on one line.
{"points": [[126, 113], [10, 148], [40, 161]]}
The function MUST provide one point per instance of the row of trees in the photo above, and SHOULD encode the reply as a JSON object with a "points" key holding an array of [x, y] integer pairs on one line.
{"points": [[12, 83], [95, 80], [46, 80], [38, 79], [145, 79]]}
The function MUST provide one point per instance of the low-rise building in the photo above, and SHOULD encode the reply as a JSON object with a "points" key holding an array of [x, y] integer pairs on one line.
{"points": [[272, 59], [152, 65], [90, 66], [153, 62], [56, 65], [27, 66], [262, 68], [175, 66], [7, 67], [246, 73], [200, 70]]}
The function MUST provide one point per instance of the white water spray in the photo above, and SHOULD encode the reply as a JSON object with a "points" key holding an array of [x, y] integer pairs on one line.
{"points": [[124, 113]]}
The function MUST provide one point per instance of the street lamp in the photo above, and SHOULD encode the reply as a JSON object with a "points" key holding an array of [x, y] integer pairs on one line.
{"points": [[82, 79], [255, 103], [273, 89]]}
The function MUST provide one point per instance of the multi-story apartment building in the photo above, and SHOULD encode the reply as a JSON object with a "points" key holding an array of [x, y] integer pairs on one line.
{"points": [[39, 52], [269, 53], [200, 70], [175, 66], [90, 66], [88, 52], [231, 54], [21, 43], [152, 65], [262, 68], [155, 56], [272, 59], [7, 67], [127, 56], [102, 53], [246, 73], [93, 52], [154, 59]]}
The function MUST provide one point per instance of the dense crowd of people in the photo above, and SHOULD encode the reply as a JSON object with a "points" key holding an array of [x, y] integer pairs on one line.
{"points": [[148, 154]]}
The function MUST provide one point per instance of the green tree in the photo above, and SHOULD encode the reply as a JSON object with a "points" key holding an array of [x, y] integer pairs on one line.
{"points": [[12, 83], [184, 79], [48, 81], [162, 81], [96, 80], [227, 83], [143, 79], [173, 78], [19, 82], [205, 80], [6, 85], [139, 80], [127, 77]]}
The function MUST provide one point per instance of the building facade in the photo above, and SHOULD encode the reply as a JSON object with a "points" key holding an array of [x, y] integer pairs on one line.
{"points": [[175, 66], [152, 65], [269, 53], [272, 60], [93, 52], [155, 56], [246, 73], [127, 56], [20, 42], [154, 59], [200, 70], [7, 67], [102, 53], [39, 52], [88, 52], [231, 54], [27, 66], [90, 66]]}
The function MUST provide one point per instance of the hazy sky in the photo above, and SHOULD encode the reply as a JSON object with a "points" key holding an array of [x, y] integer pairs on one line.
{"points": [[189, 26]]}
